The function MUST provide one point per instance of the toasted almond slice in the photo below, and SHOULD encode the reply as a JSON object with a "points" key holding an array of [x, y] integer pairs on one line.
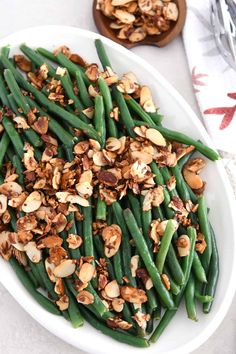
{"points": [[195, 165], [183, 245], [118, 304], [59, 287], [3, 203], [74, 241], [81, 148], [21, 122], [112, 289], [60, 222], [124, 16], [137, 35], [141, 156], [171, 12], [112, 236], [149, 284], [10, 189], [145, 5], [133, 295], [32, 202], [120, 2], [5, 245], [194, 181], [165, 281], [107, 178], [64, 269], [50, 242], [113, 144], [123, 142], [95, 145], [89, 112], [134, 265], [64, 197], [19, 246], [63, 303], [34, 254], [85, 297], [50, 269], [141, 131], [85, 189], [86, 272], [86, 176], [99, 159], [155, 137]]}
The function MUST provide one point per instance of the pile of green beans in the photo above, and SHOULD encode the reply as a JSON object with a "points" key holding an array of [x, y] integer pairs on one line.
{"points": [[192, 277]]}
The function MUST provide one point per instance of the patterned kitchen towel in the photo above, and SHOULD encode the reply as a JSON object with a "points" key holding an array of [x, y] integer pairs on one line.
{"points": [[214, 81]]}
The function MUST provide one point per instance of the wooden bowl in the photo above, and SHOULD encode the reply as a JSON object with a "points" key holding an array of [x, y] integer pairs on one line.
{"points": [[102, 23]]}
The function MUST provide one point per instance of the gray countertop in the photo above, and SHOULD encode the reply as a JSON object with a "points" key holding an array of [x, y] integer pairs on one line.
{"points": [[19, 333]]}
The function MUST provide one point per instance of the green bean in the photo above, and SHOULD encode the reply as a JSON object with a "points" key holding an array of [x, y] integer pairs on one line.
{"points": [[146, 225], [213, 274], [71, 67], [152, 299], [166, 175], [135, 106], [36, 274], [47, 282], [14, 136], [150, 325], [190, 299], [106, 94], [66, 138], [43, 301], [102, 54], [184, 139], [101, 209], [165, 244], [15, 90], [198, 293], [125, 116], [118, 335], [99, 119], [136, 208], [97, 304], [187, 265], [12, 103], [125, 245], [47, 54], [51, 106], [185, 159], [5, 51], [145, 255], [74, 312], [31, 135], [205, 229], [156, 117], [198, 269], [4, 143], [84, 95], [37, 58], [180, 183], [68, 87], [3, 92]]}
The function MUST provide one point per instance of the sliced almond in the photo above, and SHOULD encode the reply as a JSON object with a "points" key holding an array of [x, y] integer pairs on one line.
{"points": [[10, 189], [112, 289], [133, 295], [86, 272], [183, 245], [81, 148], [63, 303], [64, 197], [85, 297], [194, 181], [50, 242], [59, 287], [95, 145], [120, 2], [141, 156], [74, 241], [85, 189], [86, 176], [165, 281], [118, 304], [155, 137], [5, 245], [124, 16], [50, 269], [32, 202], [60, 222], [99, 159], [134, 265], [113, 144], [107, 178], [3, 203], [34, 254], [65, 268], [136, 36], [112, 237]]}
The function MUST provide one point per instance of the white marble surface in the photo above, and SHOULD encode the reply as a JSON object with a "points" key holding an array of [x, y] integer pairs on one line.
{"points": [[19, 333]]}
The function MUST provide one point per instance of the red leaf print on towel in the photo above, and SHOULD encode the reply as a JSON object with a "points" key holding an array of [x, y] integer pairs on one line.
{"points": [[195, 79], [228, 112]]}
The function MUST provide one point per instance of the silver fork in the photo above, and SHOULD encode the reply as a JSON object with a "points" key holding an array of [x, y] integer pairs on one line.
{"points": [[223, 18]]}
